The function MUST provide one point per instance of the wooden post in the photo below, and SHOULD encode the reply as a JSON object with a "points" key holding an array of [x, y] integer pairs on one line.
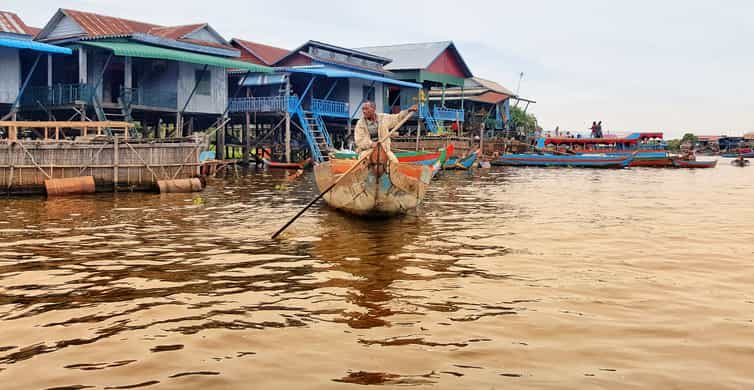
{"points": [[82, 65], [179, 124], [57, 133], [116, 162], [220, 144], [49, 70], [246, 138], [418, 132], [128, 72], [287, 122]]}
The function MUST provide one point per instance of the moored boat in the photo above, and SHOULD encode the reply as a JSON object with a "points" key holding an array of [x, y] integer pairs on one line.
{"points": [[574, 161], [680, 163], [281, 165], [647, 150], [740, 163], [461, 163], [376, 188]]}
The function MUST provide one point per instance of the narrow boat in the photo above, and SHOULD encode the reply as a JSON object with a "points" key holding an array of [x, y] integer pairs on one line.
{"points": [[748, 155], [376, 188], [729, 155], [422, 158], [461, 163], [740, 163], [574, 161], [281, 165], [647, 150], [679, 163]]}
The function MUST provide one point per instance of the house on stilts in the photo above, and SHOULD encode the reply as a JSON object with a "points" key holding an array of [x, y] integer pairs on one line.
{"points": [[434, 65], [133, 71], [315, 95], [20, 56]]}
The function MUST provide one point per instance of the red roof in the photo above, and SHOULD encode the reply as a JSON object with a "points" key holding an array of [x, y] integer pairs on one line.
{"points": [[11, 23], [258, 53], [175, 32], [489, 97]]}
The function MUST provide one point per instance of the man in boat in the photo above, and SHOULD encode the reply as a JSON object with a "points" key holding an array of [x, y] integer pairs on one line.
{"points": [[373, 127]]}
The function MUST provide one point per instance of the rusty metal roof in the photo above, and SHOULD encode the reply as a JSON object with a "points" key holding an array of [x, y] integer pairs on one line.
{"points": [[96, 25], [11, 23], [259, 53], [101, 25]]}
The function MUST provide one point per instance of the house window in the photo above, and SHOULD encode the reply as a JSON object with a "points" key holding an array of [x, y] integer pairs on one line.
{"points": [[368, 93], [203, 80]]}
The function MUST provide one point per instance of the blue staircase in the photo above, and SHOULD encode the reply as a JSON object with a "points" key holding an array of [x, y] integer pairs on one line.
{"points": [[428, 119], [316, 134]]}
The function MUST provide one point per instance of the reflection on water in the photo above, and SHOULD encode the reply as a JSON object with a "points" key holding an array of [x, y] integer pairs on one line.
{"points": [[507, 277]]}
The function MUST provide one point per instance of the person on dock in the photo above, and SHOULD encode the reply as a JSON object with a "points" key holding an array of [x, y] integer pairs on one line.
{"points": [[373, 127]]}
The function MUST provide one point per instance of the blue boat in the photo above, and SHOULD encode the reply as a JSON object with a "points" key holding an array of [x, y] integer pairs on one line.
{"points": [[462, 163], [574, 161]]}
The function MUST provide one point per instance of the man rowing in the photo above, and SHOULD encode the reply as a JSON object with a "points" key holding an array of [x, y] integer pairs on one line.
{"points": [[373, 127]]}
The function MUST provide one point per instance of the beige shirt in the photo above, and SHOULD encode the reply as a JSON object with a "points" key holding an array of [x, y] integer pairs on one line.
{"points": [[384, 123]]}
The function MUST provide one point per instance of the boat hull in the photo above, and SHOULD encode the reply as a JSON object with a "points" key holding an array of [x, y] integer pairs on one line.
{"points": [[461, 164], [373, 190], [574, 161], [280, 165], [678, 163]]}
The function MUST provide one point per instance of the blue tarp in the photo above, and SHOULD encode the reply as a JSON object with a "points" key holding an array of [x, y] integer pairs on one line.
{"points": [[33, 45], [336, 73]]}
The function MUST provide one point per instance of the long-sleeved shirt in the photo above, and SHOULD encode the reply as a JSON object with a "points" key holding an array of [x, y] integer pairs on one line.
{"points": [[383, 124]]}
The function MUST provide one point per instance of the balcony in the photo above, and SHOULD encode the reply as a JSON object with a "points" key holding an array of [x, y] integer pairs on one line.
{"points": [[447, 114], [263, 104], [57, 95], [139, 97], [331, 108]]}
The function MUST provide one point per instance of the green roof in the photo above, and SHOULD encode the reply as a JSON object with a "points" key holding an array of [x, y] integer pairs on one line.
{"points": [[130, 49]]}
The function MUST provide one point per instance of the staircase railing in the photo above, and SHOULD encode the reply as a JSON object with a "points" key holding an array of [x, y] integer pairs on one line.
{"points": [[323, 130], [313, 145]]}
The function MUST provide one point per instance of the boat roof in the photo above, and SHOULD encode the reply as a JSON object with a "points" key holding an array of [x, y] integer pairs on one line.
{"points": [[631, 139]]}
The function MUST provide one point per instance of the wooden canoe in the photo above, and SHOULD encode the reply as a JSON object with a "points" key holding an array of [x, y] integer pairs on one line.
{"points": [[281, 165], [461, 163], [377, 188], [679, 163]]}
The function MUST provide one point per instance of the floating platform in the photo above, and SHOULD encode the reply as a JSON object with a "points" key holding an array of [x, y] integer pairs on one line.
{"points": [[115, 162]]}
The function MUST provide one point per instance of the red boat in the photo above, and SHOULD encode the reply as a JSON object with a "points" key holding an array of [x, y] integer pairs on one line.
{"points": [[679, 163], [281, 165]]}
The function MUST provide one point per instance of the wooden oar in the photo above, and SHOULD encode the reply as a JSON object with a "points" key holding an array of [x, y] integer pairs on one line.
{"points": [[348, 172]]}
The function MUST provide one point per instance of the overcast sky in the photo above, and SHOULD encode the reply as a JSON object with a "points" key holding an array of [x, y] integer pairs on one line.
{"points": [[672, 66]]}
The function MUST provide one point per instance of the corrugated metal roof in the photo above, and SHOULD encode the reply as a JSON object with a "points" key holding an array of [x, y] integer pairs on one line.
{"points": [[478, 82], [336, 73], [268, 55], [145, 51], [33, 45], [98, 25], [11, 23], [409, 56]]}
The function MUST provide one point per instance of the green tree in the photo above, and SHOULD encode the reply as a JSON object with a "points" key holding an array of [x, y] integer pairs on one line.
{"points": [[525, 123]]}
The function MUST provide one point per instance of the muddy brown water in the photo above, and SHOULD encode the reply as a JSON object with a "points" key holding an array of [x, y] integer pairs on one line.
{"points": [[507, 278]]}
